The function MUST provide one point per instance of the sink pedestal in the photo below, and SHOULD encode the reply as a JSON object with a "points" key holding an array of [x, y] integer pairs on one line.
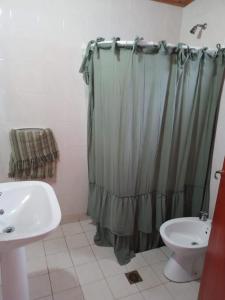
{"points": [[14, 275]]}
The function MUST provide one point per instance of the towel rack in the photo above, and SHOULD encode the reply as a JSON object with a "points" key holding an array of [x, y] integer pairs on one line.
{"points": [[29, 128]]}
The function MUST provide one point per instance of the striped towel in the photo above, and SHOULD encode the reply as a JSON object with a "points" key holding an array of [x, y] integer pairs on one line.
{"points": [[34, 153]]}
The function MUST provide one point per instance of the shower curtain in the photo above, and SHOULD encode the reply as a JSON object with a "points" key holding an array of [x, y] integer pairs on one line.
{"points": [[151, 126]]}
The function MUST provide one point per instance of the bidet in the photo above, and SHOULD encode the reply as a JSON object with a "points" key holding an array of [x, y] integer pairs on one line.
{"points": [[31, 212], [188, 240]]}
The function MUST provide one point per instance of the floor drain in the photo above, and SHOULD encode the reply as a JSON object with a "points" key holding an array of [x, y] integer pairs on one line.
{"points": [[133, 277], [194, 243], [9, 229]]}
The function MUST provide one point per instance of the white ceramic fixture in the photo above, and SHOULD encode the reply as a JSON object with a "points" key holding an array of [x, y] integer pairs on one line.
{"points": [[29, 211], [188, 240]]}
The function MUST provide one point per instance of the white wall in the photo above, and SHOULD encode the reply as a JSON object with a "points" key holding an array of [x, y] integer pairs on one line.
{"points": [[211, 12], [40, 54]]}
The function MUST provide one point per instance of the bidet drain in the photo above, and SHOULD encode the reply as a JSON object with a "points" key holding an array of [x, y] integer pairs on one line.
{"points": [[9, 229], [194, 243]]}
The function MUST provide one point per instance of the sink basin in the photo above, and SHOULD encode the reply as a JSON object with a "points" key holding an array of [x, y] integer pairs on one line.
{"points": [[29, 211]]}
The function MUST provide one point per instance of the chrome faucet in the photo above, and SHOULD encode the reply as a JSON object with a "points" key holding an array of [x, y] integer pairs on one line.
{"points": [[203, 216]]}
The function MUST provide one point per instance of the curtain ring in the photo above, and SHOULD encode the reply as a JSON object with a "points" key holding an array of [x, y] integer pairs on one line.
{"points": [[183, 54], [88, 49], [219, 50], [181, 57], [135, 45], [99, 39], [218, 46], [163, 46], [114, 41], [203, 51], [96, 46], [115, 47]]}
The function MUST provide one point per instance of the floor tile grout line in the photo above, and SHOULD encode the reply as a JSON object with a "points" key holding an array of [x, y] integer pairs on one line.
{"points": [[139, 291], [161, 283], [167, 256], [43, 297], [105, 278], [156, 272], [82, 263], [48, 271], [69, 289], [79, 246], [149, 288], [48, 266], [55, 293], [49, 238], [122, 273], [94, 282], [74, 266], [68, 251], [96, 261], [168, 291], [50, 285]]}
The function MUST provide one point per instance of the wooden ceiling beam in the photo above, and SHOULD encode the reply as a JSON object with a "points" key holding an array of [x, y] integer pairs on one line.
{"points": [[181, 3]]}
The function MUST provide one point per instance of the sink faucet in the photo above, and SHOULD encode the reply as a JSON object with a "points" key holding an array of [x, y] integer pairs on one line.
{"points": [[203, 216]]}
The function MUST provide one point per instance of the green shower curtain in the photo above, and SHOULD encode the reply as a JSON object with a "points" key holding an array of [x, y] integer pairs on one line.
{"points": [[151, 126]]}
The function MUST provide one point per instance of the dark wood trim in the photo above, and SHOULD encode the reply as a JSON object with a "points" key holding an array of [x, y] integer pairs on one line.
{"points": [[180, 3]]}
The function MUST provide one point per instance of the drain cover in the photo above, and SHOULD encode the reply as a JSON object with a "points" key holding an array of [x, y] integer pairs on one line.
{"points": [[133, 277], [194, 243], [9, 229]]}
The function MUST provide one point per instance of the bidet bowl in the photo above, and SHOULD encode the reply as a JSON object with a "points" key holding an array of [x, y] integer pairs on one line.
{"points": [[186, 235]]}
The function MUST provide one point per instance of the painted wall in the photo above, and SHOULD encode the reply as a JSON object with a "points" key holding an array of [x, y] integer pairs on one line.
{"points": [[40, 54], [211, 12]]}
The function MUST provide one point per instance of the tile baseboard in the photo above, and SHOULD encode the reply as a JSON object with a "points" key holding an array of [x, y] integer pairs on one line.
{"points": [[74, 218]]}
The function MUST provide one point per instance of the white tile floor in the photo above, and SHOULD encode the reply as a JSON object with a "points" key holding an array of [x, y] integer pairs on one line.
{"points": [[68, 266]]}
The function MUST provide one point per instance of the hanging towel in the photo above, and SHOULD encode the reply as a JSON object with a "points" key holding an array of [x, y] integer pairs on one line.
{"points": [[34, 153]]}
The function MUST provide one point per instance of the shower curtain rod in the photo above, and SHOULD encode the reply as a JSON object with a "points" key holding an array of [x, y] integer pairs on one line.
{"points": [[151, 43]]}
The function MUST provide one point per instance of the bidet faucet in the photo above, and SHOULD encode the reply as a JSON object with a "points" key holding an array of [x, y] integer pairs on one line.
{"points": [[1, 210], [203, 216]]}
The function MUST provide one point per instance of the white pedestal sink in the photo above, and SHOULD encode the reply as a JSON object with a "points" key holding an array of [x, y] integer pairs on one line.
{"points": [[30, 212]]}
